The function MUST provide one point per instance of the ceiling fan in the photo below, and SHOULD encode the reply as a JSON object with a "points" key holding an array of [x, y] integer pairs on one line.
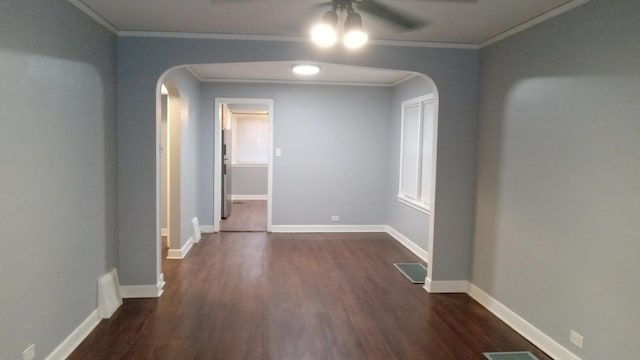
{"points": [[325, 32]]}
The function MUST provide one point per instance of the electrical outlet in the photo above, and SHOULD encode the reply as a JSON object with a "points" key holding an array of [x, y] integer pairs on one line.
{"points": [[29, 353], [576, 339], [335, 218]]}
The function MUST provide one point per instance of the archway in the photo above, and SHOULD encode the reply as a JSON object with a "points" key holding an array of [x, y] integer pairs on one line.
{"points": [[426, 254]]}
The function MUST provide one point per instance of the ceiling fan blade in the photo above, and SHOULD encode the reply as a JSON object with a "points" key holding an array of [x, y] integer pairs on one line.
{"points": [[300, 21], [404, 21]]}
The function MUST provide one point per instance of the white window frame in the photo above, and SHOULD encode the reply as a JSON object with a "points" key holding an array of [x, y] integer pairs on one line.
{"points": [[423, 206], [234, 141]]}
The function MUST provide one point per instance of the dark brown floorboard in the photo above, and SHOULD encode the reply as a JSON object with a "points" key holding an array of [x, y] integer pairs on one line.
{"points": [[246, 215], [298, 296]]}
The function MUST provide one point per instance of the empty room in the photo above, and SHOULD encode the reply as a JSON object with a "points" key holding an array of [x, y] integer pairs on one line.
{"points": [[354, 179]]}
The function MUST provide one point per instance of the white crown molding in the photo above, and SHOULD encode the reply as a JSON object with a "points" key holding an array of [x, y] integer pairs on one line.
{"points": [[94, 15], [408, 243], [446, 287], [404, 79], [214, 36], [522, 326], [424, 44], [210, 36], [194, 73], [294, 82], [74, 339], [297, 82], [327, 228], [177, 254], [534, 21]]}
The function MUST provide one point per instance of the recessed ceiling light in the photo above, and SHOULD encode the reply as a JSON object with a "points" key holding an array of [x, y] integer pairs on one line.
{"points": [[306, 69]]}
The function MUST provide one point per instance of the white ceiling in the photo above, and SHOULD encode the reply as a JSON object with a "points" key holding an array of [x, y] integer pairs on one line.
{"points": [[451, 21], [458, 22], [281, 72]]}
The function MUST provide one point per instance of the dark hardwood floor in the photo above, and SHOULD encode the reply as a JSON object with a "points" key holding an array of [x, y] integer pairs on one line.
{"points": [[246, 215], [298, 296]]}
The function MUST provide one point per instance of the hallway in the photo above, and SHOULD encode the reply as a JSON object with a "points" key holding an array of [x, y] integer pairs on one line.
{"points": [[246, 215]]}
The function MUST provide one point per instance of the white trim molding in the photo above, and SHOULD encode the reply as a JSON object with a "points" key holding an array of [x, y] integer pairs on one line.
{"points": [[280, 38], [521, 326], [94, 15], [250, 197], [197, 234], [74, 339], [142, 291], [206, 229], [109, 299], [177, 254], [327, 228], [164, 232], [408, 243], [446, 287], [534, 21]]}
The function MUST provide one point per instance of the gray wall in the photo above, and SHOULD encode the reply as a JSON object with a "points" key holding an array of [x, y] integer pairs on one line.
{"points": [[411, 222], [557, 235], [334, 148], [58, 177], [249, 180], [164, 157], [188, 89], [142, 60]]}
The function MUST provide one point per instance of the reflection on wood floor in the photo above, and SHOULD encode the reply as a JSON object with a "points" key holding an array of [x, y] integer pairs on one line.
{"points": [[246, 215], [241, 295]]}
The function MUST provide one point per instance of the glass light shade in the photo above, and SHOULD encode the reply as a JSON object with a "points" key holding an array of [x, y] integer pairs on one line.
{"points": [[324, 35], [355, 39], [306, 69], [354, 36]]}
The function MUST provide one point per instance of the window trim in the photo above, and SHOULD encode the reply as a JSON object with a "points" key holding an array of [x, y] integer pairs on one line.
{"points": [[403, 198], [234, 142]]}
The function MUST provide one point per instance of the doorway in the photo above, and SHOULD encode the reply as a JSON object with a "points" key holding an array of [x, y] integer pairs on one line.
{"points": [[242, 170], [169, 168]]}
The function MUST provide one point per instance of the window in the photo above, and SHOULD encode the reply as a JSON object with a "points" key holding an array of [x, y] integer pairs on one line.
{"points": [[416, 152], [250, 139]]}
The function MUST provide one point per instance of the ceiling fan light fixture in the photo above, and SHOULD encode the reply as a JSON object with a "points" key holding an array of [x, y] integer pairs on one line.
{"points": [[354, 36], [305, 69], [324, 34]]}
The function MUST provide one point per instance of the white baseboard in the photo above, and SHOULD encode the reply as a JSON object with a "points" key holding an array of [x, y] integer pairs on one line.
{"points": [[143, 291], [177, 254], [161, 282], [197, 235], [421, 253], [75, 338], [250, 197], [206, 229], [522, 326], [446, 287], [164, 232], [109, 299], [327, 228]]}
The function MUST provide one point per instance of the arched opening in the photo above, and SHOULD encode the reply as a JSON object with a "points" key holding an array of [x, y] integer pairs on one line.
{"points": [[419, 241]]}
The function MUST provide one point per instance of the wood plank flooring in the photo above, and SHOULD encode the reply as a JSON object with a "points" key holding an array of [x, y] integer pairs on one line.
{"points": [[246, 215], [298, 296]]}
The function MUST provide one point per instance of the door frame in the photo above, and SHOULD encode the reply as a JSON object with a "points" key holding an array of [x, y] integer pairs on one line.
{"points": [[217, 161]]}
